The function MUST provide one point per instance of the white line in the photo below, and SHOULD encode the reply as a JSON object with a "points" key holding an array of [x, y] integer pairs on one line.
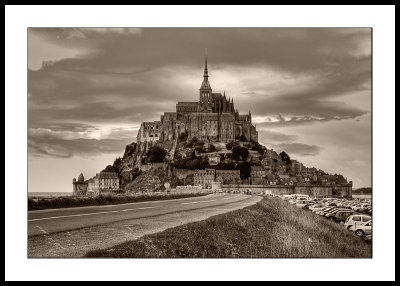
{"points": [[198, 202], [54, 217], [112, 205]]}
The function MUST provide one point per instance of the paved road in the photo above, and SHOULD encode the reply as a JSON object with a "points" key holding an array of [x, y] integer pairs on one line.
{"points": [[66, 219]]}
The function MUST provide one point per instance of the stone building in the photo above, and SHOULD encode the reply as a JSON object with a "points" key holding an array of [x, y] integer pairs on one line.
{"points": [[296, 167], [213, 118], [227, 176], [204, 178], [103, 182], [258, 175], [79, 186]]}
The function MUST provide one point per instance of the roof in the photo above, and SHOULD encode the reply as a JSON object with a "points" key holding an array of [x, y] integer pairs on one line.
{"points": [[227, 171], [81, 179], [206, 84], [107, 175], [284, 176], [257, 168]]}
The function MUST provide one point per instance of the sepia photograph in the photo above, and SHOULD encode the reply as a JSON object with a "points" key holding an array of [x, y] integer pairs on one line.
{"points": [[199, 142], [150, 145]]}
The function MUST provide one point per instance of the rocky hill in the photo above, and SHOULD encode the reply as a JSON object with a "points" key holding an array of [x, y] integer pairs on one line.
{"points": [[147, 166]]}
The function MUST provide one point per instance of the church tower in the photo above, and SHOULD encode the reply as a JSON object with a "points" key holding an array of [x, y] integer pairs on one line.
{"points": [[205, 90]]}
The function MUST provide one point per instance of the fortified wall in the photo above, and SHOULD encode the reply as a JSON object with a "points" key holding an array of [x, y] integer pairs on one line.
{"points": [[338, 191]]}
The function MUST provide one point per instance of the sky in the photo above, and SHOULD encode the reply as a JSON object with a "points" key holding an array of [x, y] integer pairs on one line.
{"points": [[308, 90]]}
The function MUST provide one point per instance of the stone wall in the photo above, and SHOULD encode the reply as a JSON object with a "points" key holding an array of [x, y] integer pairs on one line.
{"points": [[182, 173], [313, 191]]}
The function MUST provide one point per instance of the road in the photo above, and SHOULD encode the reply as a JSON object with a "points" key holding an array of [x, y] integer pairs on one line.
{"points": [[70, 232]]}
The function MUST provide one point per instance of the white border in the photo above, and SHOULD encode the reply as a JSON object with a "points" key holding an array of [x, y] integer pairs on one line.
{"points": [[381, 18]]}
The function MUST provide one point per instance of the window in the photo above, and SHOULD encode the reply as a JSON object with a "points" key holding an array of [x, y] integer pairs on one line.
{"points": [[366, 218], [356, 218]]}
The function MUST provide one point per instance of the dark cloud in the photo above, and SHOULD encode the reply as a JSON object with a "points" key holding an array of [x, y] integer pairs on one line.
{"points": [[295, 48], [52, 146], [129, 76]]}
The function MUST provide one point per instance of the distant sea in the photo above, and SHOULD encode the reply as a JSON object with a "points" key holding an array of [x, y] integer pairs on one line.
{"points": [[362, 196], [48, 194]]}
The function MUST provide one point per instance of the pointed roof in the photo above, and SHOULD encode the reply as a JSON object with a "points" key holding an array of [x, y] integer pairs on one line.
{"points": [[205, 85], [81, 178]]}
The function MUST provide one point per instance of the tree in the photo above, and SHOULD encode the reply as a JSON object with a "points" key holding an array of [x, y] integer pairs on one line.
{"points": [[212, 148], [192, 142], [285, 157], [245, 170], [117, 165], [156, 154], [229, 145], [110, 168], [183, 136], [258, 147], [129, 149], [193, 156], [240, 153], [225, 166]]}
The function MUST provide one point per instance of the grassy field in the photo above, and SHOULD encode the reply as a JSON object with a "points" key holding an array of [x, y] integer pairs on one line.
{"points": [[271, 228], [68, 202]]}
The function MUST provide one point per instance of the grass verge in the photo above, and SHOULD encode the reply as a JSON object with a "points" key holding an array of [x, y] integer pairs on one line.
{"points": [[272, 228], [68, 202]]}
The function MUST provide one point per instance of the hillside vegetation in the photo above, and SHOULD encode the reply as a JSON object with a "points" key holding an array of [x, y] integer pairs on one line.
{"points": [[68, 202], [271, 228]]}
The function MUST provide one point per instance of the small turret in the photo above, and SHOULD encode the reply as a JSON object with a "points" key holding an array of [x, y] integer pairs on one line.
{"points": [[81, 178]]}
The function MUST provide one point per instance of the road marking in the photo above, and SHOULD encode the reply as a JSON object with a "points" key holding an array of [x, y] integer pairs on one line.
{"points": [[77, 215], [230, 197], [198, 202]]}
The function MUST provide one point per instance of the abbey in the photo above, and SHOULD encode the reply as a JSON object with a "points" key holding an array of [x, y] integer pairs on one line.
{"points": [[212, 118]]}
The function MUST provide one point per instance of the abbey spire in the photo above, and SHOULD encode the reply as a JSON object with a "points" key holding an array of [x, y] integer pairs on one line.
{"points": [[205, 86]]}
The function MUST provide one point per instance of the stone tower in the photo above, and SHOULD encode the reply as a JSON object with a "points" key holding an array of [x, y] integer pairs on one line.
{"points": [[205, 90]]}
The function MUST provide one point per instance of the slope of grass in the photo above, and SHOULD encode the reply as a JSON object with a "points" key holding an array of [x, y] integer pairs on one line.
{"points": [[68, 202], [271, 228]]}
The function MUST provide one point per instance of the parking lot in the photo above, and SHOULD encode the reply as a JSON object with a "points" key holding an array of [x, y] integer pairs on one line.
{"points": [[354, 214]]}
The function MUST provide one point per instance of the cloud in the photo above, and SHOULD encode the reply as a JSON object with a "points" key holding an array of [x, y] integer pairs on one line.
{"points": [[47, 143], [82, 140], [280, 121], [296, 149], [124, 31], [272, 136], [107, 79]]}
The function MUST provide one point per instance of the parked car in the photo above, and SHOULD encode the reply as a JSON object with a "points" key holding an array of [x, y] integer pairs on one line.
{"points": [[364, 229], [356, 219], [316, 207], [325, 210], [331, 205], [340, 216], [334, 211], [307, 204], [301, 203]]}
